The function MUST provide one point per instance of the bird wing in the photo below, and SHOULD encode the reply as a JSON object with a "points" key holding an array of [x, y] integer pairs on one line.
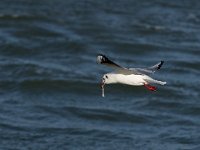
{"points": [[102, 59], [148, 70]]}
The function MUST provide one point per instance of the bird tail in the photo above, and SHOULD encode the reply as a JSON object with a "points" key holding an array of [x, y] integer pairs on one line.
{"points": [[161, 82], [156, 82]]}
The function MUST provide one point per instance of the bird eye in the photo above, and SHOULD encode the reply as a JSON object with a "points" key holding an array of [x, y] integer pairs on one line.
{"points": [[107, 77]]}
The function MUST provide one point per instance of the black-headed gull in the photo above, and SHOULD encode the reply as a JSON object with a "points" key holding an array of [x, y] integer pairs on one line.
{"points": [[130, 76]]}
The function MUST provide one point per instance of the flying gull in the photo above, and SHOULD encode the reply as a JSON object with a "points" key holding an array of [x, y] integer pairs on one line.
{"points": [[129, 76]]}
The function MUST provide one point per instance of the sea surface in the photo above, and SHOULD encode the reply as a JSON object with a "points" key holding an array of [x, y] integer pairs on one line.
{"points": [[50, 97]]}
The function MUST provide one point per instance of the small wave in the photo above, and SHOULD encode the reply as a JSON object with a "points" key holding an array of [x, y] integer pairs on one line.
{"points": [[91, 114], [22, 16]]}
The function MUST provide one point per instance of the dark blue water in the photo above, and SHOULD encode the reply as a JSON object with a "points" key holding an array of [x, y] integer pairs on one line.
{"points": [[49, 80]]}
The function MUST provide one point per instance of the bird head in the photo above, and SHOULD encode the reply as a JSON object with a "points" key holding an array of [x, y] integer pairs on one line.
{"points": [[108, 79]]}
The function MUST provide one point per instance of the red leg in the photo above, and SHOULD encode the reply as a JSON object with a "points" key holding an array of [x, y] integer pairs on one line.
{"points": [[149, 87]]}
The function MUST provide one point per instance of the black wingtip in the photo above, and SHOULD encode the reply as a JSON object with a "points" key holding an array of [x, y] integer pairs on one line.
{"points": [[101, 58], [160, 65]]}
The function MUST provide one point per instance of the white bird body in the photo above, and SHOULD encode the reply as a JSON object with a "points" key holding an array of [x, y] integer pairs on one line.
{"points": [[132, 79]]}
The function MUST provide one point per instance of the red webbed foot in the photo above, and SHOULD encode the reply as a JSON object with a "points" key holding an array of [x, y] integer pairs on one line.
{"points": [[149, 87]]}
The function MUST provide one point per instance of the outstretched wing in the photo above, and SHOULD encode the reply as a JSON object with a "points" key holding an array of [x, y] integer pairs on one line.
{"points": [[149, 70], [102, 59], [156, 66]]}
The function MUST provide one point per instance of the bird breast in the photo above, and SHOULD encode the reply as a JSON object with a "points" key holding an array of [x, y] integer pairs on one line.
{"points": [[131, 79]]}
